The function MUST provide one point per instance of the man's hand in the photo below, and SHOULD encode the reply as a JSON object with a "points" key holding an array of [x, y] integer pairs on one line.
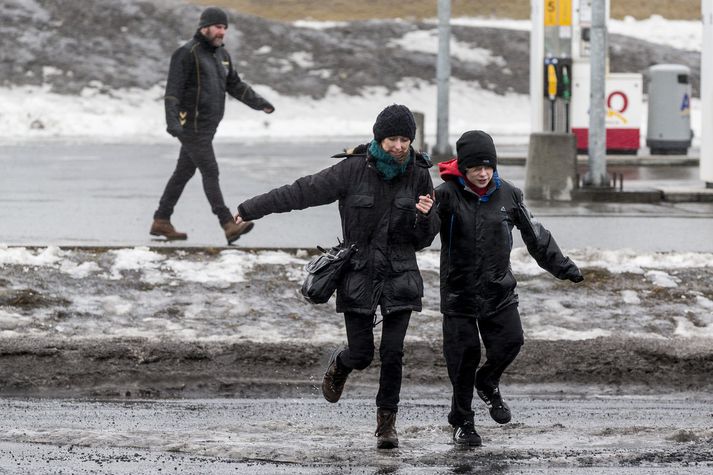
{"points": [[268, 110], [425, 203], [175, 130]]}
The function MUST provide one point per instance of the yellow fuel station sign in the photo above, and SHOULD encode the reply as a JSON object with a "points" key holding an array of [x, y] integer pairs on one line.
{"points": [[558, 12]]}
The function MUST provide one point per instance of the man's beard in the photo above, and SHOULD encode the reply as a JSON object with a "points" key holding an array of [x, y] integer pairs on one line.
{"points": [[214, 40]]}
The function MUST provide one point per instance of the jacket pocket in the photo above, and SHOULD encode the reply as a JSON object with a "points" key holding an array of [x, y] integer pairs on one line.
{"points": [[403, 220], [406, 280], [403, 265], [355, 287], [405, 203], [361, 201]]}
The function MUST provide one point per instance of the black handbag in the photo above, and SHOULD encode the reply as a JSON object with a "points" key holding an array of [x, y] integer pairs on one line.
{"points": [[324, 272]]}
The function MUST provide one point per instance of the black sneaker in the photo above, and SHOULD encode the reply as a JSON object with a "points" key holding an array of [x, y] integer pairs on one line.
{"points": [[334, 378], [466, 435], [499, 411]]}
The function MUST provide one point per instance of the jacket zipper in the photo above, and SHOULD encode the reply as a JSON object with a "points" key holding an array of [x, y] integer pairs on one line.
{"points": [[198, 89]]}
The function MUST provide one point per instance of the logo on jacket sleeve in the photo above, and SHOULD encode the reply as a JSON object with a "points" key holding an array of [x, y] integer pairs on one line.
{"points": [[182, 118]]}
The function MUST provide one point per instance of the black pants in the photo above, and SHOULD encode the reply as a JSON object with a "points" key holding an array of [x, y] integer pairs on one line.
{"points": [[196, 152], [360, 337], [502, 337]]}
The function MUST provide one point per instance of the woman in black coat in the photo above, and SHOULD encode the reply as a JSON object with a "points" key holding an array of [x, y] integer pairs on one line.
{"points": [[385, 194], [478, 210]]}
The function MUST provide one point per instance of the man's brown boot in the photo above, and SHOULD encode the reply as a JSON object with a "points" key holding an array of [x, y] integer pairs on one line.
{"points": [[386, 436], [234, 230], [163, 227]]}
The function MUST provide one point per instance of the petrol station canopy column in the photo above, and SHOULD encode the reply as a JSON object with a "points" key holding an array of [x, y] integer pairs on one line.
{"points": [[706, 160]]}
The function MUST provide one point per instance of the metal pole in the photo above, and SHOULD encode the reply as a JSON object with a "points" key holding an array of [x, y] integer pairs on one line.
{"points": [[443, 74], [597, 175], [706, 159], [537, 57]]}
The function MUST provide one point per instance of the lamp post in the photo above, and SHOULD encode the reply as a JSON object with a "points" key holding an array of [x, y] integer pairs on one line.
{"points": [[443, 73]]}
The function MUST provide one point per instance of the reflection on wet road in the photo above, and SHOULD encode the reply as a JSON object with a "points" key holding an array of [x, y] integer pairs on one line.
{"points": [[552, 427]]}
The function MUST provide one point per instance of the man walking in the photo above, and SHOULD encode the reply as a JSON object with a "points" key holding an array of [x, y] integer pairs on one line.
{"points": [[200, 74]]}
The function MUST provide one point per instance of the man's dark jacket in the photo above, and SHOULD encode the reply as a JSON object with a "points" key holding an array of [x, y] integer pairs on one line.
{"points": [[379, 216], [198, 78], [476, 240]]}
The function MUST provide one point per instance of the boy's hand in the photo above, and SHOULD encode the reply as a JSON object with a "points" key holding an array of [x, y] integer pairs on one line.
{"points": [[425, 203]]}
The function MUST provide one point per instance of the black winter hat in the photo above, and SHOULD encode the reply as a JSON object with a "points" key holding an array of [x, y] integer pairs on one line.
{"points": [[212, 16], [476, 148], [395, 120]]}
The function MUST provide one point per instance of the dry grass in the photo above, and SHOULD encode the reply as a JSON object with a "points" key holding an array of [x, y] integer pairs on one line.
{"points": [[290, 10]]}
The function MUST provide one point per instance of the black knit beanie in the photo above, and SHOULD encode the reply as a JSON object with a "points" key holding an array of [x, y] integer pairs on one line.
{"points": [[212, 16], [395, 120], [476, 148]]}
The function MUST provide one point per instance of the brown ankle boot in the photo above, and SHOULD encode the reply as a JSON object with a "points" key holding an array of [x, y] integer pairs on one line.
{"points": [[334, 378], [234, 230], [386, 436], [163, 227]]}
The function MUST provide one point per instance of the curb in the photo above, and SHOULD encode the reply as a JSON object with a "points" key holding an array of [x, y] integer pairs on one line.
{"points": [[618, 161]]}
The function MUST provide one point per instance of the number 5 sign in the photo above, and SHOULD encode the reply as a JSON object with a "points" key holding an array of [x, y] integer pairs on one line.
{"points": [[558, 12]]}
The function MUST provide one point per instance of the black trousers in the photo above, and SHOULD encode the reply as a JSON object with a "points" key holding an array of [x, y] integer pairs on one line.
{"points": [[502, 337], [196, 153], [360, 353]]}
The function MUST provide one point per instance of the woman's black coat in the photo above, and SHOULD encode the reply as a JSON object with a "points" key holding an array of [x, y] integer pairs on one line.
{"points": [[379, 216], [476, 240]]}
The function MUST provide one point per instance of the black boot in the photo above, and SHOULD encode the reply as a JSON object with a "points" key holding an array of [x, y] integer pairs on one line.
{"points": [[334, 378], [499, 411], [386, 436]]}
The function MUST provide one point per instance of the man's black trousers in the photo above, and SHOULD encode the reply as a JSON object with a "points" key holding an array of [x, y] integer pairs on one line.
{"points": [[196, 153]]}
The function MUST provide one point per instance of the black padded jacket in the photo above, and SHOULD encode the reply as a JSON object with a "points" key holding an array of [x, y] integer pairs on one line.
{"points": [[198, 78], [476, 240], [379, 216]]}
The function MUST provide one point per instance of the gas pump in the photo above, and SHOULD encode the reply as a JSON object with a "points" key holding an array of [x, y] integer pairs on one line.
{"points": [[566, 28], [558, 91]]}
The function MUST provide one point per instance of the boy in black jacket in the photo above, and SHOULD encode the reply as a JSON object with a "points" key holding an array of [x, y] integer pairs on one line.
{"points": [[478, 211]]}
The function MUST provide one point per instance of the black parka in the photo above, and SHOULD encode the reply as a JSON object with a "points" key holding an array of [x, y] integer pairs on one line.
{"points": [[476, 240], [379, 216], [198, 78]]}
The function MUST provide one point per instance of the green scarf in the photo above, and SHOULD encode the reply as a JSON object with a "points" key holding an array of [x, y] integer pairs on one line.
{"points": [[385, 163]]}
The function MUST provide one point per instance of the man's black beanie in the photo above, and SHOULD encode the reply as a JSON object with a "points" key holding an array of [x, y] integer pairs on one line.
{"points": [[212, 16], [475, 148], [395, 120]]}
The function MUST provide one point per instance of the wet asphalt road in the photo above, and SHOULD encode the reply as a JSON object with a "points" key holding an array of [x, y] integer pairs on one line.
{"points": [[84, 194], [555, 429]]}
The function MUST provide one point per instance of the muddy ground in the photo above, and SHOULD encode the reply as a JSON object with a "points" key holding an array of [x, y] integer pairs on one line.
{"points": [[130, 368]]}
